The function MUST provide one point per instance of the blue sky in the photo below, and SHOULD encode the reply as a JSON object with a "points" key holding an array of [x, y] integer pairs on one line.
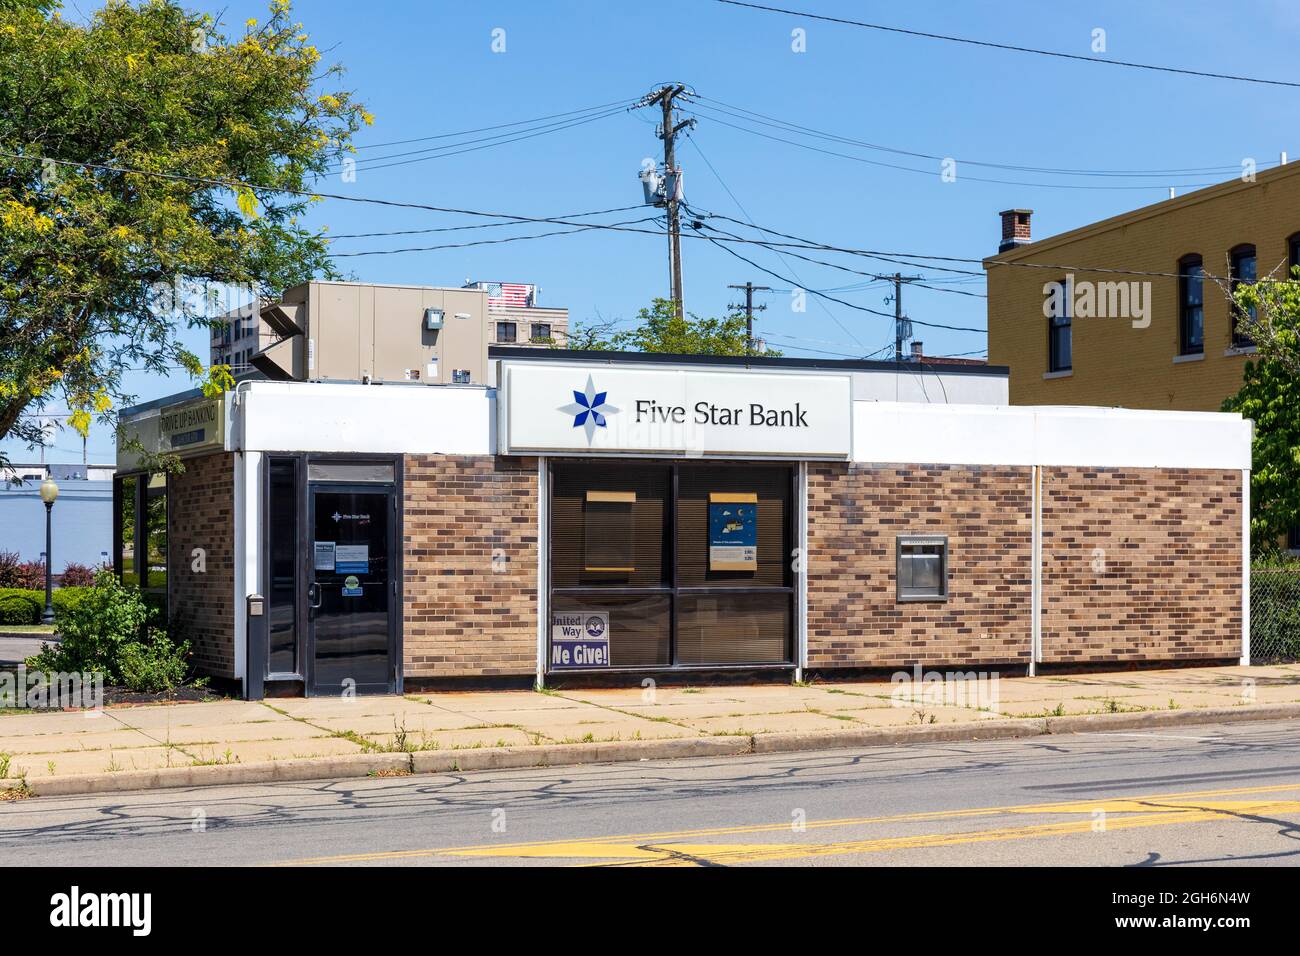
{"points": [[428, 68]]}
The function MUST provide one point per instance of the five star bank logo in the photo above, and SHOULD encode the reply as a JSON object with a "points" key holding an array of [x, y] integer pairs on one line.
{"points": [[589, 409]]}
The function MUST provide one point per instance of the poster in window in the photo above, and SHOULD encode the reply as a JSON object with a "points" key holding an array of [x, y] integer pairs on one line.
{"points": [[579, 639], [733, 532]]}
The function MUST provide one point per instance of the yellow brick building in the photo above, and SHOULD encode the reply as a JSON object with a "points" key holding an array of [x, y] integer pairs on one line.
{"points": [[1163, 350]]}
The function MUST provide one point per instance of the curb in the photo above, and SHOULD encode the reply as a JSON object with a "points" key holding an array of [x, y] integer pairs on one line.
{"points": [[1170, 718], [560, 755], [215, 775], [885, 736]]}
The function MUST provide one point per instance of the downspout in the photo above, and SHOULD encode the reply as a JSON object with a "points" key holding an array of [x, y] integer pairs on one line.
{"points": [[1245, 567], [1036, 574], [543, 571]]}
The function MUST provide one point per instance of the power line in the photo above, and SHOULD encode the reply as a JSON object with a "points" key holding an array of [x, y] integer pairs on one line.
{"points": [[477, 225], [442, 152], [1014, 48], [745, 212], [851, 305], [486, 242], [886, 256], [931, 172], [485, 129], [740, 112]]}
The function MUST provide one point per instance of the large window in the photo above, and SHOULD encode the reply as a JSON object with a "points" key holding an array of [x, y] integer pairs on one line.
{"points": [[1292, 255], [663, 565], [540, 332], [1191, 306], [1242, 262], [506, 331], [140, 545], [155, 540], [1060, 332], [126, 499], [282, 551]]}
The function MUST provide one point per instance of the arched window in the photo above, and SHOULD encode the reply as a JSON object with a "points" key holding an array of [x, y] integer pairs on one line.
{"points": [[1191, 305], [1242, 263]]}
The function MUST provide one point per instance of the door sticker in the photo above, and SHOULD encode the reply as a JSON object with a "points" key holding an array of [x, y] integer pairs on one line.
{"points": [[324, 556], [351, 586], [352, 559]]}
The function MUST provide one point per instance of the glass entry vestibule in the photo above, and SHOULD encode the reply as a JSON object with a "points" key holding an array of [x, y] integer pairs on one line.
{"points": [[331, 562], [670, 565]]}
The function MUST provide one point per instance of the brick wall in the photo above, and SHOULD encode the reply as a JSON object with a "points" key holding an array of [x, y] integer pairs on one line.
{"points": [[1141, 564], [1114, 362], [855, 513], [470, 588], [201, 507]]}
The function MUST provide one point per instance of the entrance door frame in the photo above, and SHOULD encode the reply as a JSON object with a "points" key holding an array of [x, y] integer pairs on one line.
{"points": [[306, 650]]}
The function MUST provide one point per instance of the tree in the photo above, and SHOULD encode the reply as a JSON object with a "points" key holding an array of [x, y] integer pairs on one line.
{"points": [[662, 329], [1270, 395], [146, 150]]}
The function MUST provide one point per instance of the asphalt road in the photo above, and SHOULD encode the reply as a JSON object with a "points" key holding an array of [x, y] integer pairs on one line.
{"points": [[1204, 795]]}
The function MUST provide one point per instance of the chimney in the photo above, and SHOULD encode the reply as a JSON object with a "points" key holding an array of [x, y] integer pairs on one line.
{"points": [[1015, 228], [918, 351]]}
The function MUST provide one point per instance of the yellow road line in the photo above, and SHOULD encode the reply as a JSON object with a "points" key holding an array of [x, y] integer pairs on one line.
{"points": [[1147, 803]]}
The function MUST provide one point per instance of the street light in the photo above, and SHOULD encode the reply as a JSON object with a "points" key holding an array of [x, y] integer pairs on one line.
{"points": [[49, 492]]}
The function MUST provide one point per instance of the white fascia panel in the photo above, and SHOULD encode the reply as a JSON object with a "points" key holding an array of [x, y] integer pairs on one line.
{"points": [[367, 419], [906, 433]]}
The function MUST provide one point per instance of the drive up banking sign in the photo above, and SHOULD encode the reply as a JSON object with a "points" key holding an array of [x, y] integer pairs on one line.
{"points": [[603, 409]]}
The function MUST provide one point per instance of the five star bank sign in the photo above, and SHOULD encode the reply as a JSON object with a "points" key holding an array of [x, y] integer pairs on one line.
{"points": [[682, 411]]}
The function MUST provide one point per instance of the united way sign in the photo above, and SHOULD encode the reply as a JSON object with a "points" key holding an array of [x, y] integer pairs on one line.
{"points": [[598, 409]]}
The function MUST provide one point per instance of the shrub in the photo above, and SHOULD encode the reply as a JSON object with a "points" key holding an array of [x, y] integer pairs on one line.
{"points": [[9, 562], [114, 630], [19, 609], [95, 628], [155, 664], [30, 574], [77, 576]]}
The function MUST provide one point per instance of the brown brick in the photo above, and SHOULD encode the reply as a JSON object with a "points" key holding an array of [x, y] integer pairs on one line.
{"points": [[201, 505], [470, 572], [855, 513]]}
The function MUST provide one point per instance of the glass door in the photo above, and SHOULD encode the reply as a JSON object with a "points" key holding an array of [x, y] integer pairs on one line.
{"points": [[350, 602]]}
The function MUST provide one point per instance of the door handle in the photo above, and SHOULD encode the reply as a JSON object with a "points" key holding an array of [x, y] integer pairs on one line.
{"points": [[313, 596]]}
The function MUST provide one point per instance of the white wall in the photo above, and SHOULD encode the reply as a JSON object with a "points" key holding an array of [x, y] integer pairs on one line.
{"points": [[395, 419], [900, 432], [379, 419], [912, 384]]}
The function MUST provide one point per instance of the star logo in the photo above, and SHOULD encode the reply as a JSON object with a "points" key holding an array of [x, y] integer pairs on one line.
{"points": [[589, 409]]}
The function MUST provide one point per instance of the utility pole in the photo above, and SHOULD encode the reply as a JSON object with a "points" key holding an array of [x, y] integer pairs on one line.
{"points": [[899, 321], [750, 309], [666, 96]]}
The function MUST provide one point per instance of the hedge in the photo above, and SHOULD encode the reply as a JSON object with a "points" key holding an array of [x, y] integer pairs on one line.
{"points": [[62, 598], [20, 608]]}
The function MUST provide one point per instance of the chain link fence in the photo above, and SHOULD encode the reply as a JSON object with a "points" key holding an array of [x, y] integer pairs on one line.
{"points": [[1275, 614]]}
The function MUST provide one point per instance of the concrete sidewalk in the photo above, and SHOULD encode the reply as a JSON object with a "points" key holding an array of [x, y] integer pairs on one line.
{"points": [[323, 737]]}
